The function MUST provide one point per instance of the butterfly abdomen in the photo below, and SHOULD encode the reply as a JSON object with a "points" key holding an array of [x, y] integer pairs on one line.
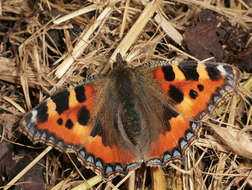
{"points": [[128, 117]]}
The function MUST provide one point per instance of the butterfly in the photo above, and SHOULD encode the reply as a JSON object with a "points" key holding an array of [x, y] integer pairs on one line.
{"points": [[116, 121]]}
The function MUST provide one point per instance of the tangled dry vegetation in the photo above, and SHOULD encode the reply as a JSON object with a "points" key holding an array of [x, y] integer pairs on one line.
{"points": [[46, 46]]}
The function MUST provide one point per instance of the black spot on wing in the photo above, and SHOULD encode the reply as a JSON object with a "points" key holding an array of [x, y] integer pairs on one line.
{"points": [[200, 87], [69, 124], [42, 113], [168, 73], [176, 94], [168, 114], [189, 69], [80, 93], [62, 101], [193, 94], [97, 129], [60, 121], [213, 72], [83, 116]]}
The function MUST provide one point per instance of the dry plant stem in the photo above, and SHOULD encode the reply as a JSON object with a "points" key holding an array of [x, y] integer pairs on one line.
{"points": [[249, 116], [37, 62], [136, 29], [14, 104], [27, 168], [249, 41], [188, 179], [189, 172], [66, 182], [239, 17], [1, 10], [110, 186], [159, 181], [210, 142], [8, 69], [83, 42], [244, 4], [248, 84], [89, 183], [77, 169], [219, 170], [11, 111], [24, 84], [61, 184], [231, 118], [124, 20], [182, 52], [132, 179], [77, 13], [61, 9], [230, 175], [168, 28], [130, 175]]}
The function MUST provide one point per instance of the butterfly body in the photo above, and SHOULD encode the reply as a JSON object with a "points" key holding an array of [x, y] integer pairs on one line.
{"points": [[131, 115]]}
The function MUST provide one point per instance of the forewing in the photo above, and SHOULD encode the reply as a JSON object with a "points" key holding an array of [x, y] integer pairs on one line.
{"points": [[67, 122], [194, 89]]}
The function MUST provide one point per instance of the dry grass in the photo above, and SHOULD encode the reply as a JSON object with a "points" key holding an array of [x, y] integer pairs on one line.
{"points": [[48, 46]]}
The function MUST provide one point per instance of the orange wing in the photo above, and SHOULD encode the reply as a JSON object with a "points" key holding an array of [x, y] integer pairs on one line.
{"points": [[63, 121], [195, 89]]}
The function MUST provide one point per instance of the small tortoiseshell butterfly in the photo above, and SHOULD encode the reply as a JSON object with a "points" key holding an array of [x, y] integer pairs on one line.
{"points": [[148, 114]]}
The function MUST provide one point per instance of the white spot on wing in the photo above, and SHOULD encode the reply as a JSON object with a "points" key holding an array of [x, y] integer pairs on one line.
{"points": [[118, 167], [34, 115], [221, 69], [189, 135], [154, 161], [183, 143], [228, 88], [193, 125], [99, 164], [167, 156], [108, 169], [176, 153]]}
